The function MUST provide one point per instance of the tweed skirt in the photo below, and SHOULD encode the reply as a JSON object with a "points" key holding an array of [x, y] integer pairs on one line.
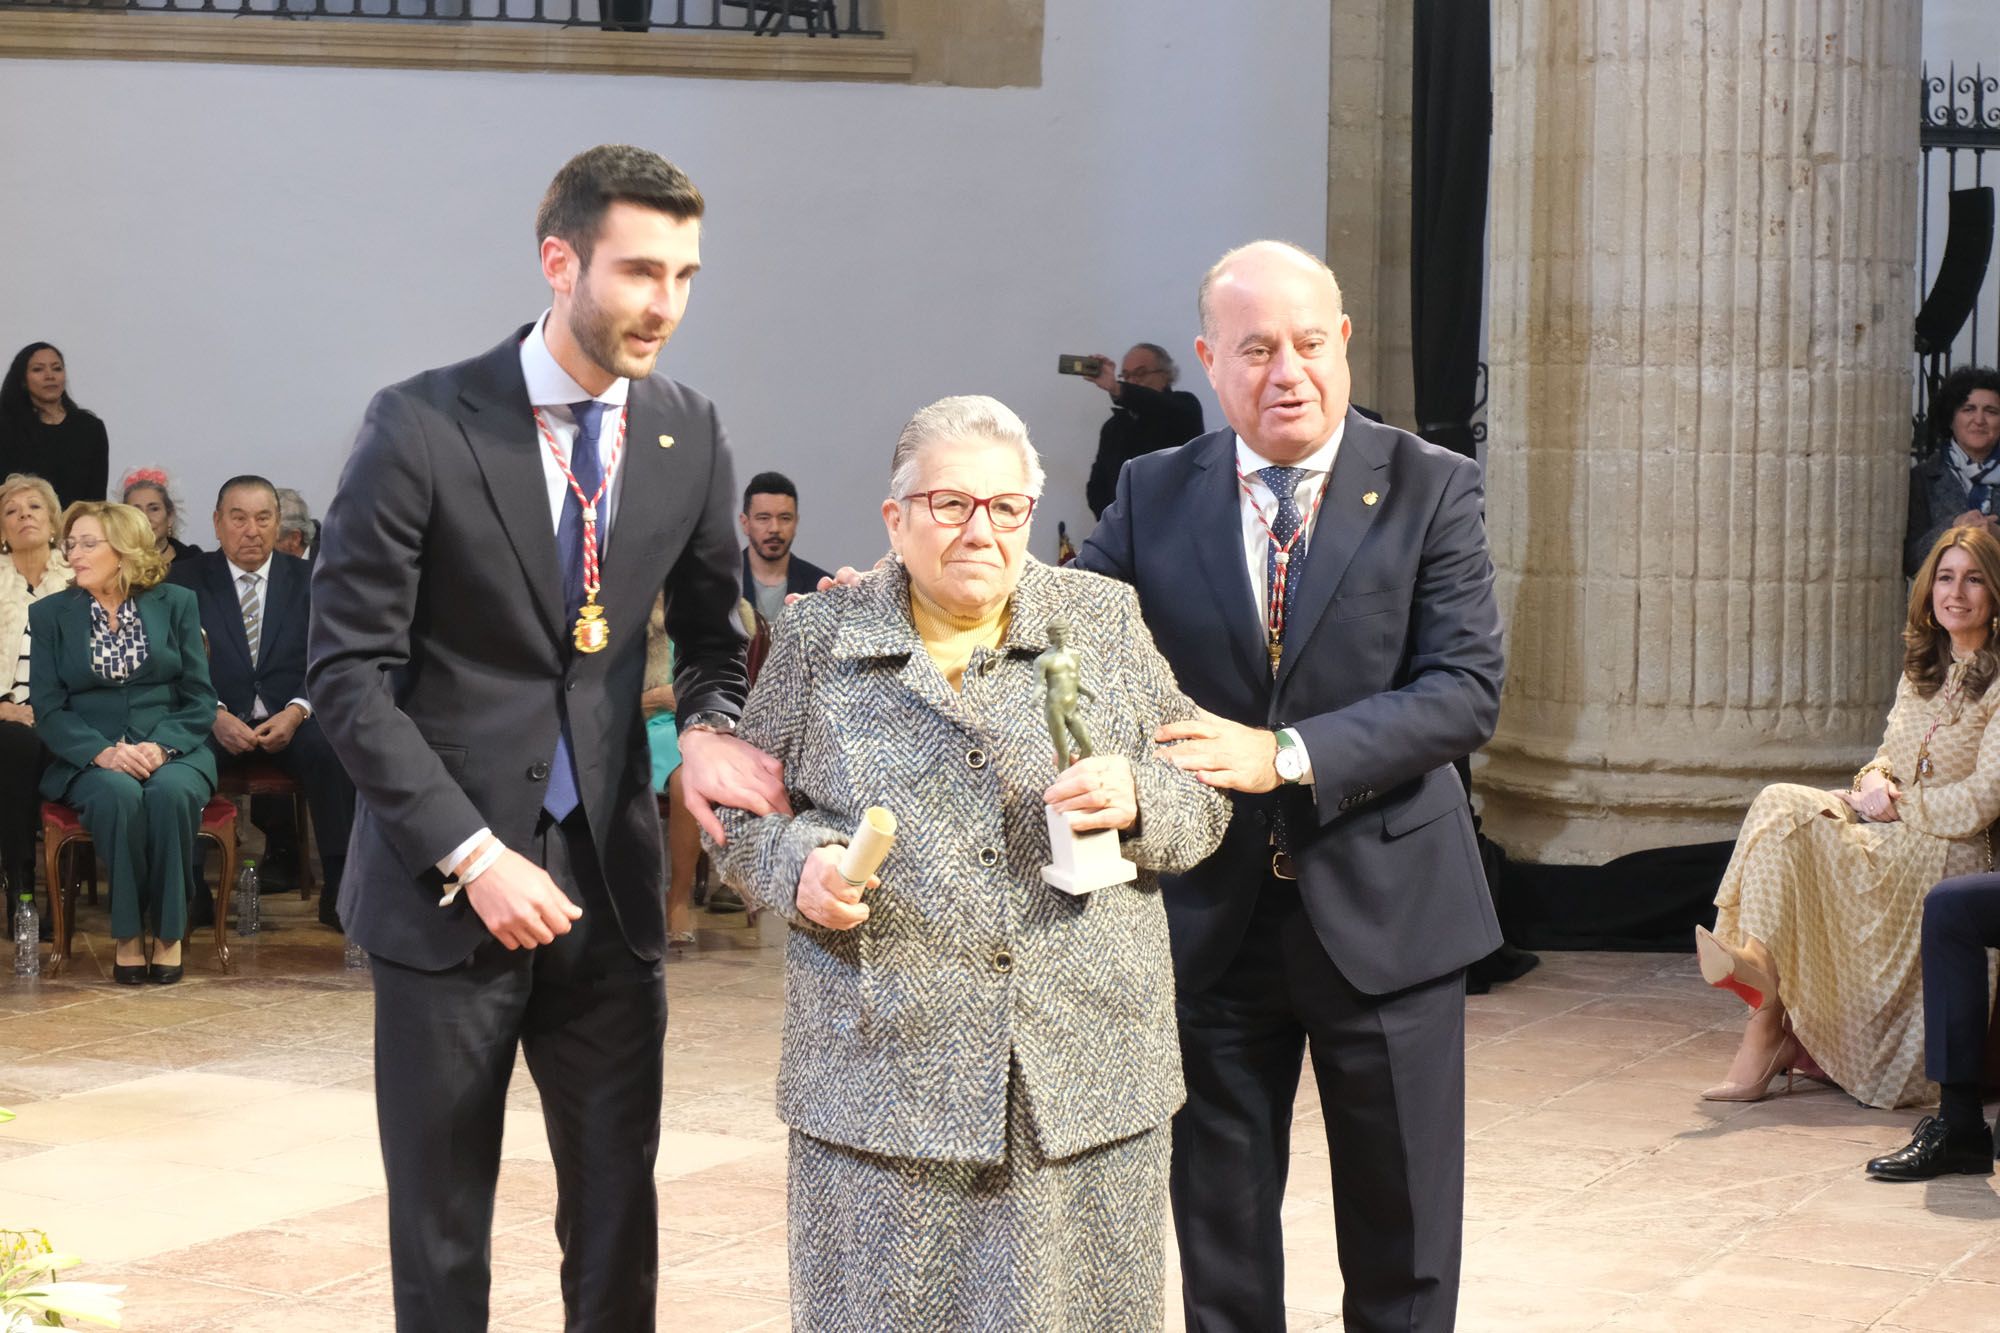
{"points": [[1028, 1245]]}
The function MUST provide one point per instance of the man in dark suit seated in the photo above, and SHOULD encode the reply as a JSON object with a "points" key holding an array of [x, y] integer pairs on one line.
{"points": [[255, 606], [770, 523], [1961, 922]]}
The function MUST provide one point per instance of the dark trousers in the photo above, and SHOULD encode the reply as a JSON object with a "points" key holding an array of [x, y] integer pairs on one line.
{"points": [[144, 835], [309, 760], [592, 1018], [1961, 922], [1391, 1074], [22, 760]]}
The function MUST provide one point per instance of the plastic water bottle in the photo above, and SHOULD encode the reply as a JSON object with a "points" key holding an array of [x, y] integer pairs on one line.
{"points": [[356, 957], [246, 899], [27, 931]]}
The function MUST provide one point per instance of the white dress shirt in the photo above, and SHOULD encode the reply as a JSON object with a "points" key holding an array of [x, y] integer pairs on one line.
{"points": [[259, 710], [1259, 507], [551, 389]]}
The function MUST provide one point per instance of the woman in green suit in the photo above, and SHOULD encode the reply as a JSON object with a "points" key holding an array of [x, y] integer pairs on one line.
{"points": [[119, 681]]}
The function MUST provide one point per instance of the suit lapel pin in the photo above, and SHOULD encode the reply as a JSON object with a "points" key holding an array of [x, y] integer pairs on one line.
{"points": [[666, 441], [1371, 497]]}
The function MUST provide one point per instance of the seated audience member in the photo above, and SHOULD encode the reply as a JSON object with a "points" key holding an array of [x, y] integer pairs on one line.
{"points": [[298, 531], [663, 734], [34, 569], [44, 432], [255, 605], [1817, 917], [146, 490], [1954, 486], [1961, 922], [1147, 413], [119, 682], [770, 521]]}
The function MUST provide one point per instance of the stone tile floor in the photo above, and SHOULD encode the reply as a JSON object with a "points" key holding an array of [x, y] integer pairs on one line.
{"points": [[212, 1147]]}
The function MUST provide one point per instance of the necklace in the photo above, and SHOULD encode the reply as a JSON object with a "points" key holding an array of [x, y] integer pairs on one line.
{"points": [[592, 631]]}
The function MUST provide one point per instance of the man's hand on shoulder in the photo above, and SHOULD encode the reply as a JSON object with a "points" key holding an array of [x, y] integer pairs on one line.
{"points": [[724, 770], [1221, 753]]}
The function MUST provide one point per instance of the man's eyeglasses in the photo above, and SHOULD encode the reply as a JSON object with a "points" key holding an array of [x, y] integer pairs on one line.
{"points": [[71, 545], [954, 509], [1125, 376]]}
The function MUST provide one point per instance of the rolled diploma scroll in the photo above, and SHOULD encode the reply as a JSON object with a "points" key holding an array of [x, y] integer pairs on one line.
{"points": [[872, 839]]}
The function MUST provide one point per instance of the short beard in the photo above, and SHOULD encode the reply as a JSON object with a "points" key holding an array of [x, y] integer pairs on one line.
{"points": [[601, 340]]}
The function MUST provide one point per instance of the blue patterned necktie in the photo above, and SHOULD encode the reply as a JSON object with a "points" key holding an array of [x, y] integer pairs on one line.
{"points": [[1284, 484], [588, 469]]}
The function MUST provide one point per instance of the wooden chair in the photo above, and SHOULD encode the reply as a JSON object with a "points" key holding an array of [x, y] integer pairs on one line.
{"points": [[63, 828], [255, 775]]}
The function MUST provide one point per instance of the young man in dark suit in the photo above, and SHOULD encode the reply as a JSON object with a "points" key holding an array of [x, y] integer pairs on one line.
{"points": [[478, 645], [256, 604], [1321, 587]]}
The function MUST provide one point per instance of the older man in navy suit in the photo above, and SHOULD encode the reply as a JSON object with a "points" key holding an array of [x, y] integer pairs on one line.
{"points": [[256, 603], [1320, 585]]}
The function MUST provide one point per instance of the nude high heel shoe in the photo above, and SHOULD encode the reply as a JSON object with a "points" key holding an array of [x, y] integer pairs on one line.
{"points": [[1782, 1060], [1723, 967]]}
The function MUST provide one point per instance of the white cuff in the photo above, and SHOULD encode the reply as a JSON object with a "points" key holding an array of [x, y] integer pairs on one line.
{"points": [[304, 706], [457, 854]]}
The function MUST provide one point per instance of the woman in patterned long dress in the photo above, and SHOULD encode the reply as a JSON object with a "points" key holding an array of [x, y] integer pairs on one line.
{"points": [[978, 1069], [1820, 912]]}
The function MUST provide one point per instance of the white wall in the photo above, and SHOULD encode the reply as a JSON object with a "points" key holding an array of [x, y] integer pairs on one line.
{"points": [[234, 258]]}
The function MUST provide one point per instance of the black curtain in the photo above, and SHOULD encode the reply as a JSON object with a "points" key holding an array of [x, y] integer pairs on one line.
{"points": [[1452, 122]]}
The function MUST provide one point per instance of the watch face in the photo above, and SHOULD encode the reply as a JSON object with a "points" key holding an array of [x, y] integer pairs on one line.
{"points": [[1290, 765]]}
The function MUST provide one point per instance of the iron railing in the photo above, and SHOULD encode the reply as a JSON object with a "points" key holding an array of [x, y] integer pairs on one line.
{"points": [[1960, 125], [812, 18]]}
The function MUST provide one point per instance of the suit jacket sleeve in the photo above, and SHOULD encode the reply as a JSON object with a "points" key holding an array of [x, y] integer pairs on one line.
{"points": [[1450, 701], [765, 853], [702, 592], [364, 600], [67, 735], [1108, 549], [193, 717], [1181, 820]]}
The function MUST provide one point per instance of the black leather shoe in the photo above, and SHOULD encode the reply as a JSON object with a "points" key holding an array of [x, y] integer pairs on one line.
{"points": [[1935, 1151], [164, 976], [131, 975]]}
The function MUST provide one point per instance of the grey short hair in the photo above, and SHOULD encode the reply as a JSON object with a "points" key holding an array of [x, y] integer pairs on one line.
{"points": [[294, 515], [1163, 356], [967, 417], [1209, 278]]}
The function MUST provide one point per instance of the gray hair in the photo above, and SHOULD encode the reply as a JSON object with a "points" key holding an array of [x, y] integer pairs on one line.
{"points": [[1163, 356], [1208, 279], [294, 516], [968, 417]]}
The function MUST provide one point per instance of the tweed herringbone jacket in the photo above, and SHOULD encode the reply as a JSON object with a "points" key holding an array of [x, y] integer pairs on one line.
{"points": [[899, 1033]]}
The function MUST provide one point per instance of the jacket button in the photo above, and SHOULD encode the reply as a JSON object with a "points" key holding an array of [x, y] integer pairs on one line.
{"points": [[976, 758], [1003, 961], [988, 857], [539, 771]]}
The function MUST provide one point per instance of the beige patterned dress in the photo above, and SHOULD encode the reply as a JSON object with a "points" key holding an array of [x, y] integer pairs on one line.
{"points": [[1840, 902]]}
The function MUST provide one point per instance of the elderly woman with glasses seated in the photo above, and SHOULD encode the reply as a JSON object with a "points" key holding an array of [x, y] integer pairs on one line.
{"points": [[978, 1068], [119, 682]]}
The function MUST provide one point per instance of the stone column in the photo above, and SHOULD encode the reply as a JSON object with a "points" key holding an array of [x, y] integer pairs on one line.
{"points": [[1702, 279], [1368, 195]]}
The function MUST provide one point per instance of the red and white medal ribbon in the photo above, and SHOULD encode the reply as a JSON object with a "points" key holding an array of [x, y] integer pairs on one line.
{"points": [[1274, 614], [591, 630]]}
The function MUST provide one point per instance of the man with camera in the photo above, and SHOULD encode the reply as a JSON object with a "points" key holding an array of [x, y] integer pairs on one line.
{"points": [[1147, 413]]}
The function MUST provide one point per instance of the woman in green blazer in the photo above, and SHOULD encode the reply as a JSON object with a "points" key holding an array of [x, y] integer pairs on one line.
{"points": [[119, 681]]}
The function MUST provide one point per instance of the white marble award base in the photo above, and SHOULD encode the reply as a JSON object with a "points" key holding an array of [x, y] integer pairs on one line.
{"points": [[1084, 862]]}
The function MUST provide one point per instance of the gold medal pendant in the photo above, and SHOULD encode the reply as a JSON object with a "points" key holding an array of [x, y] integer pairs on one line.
{"points": [[592, 633]]}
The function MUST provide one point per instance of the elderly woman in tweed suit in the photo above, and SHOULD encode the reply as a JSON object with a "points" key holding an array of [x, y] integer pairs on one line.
{"points": [[978, 1070]]}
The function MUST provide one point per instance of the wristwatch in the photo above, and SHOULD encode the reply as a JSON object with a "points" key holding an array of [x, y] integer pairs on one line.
{"points": [[1291, 758], [709, 720]]}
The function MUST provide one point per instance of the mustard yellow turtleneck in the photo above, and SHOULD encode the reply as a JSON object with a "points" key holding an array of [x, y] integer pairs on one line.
{"points": [[950, 638]]}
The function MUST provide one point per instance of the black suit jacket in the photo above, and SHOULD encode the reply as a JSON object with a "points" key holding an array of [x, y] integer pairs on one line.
{"points": [[1391, 671], [279, 673], [800, 576], [441, 661]]}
